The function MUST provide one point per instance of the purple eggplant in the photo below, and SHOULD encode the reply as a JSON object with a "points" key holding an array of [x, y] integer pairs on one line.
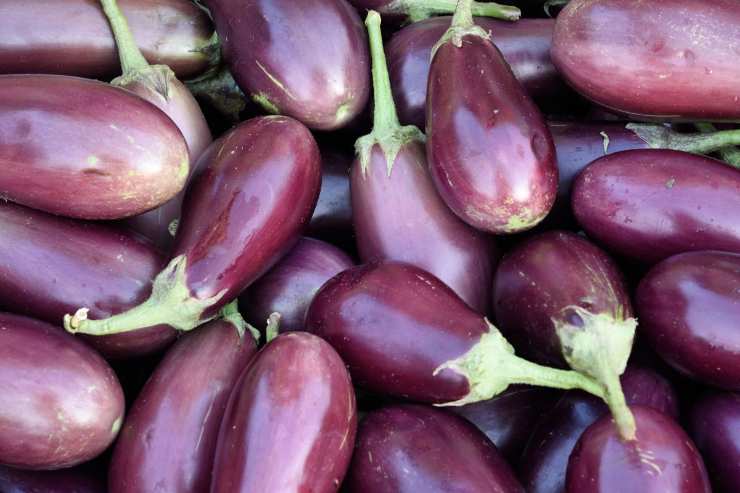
{"points": [[241, 214], [289, 287], [81, 148], [332, 216], [418, 10], [397, 212], [320, 77], [169, 438], [490, 152], [715, 428], [33, 40], [661, 458], [675, 61], [61, 403], [290, 423], [63, 481], [410, 449], [687, 306], [106, 269], [651, 204]]}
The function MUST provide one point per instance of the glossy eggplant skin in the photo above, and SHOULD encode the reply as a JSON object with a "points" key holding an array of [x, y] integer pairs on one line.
{"points": [[525, 45], [290, 423], [332, 216], [677, 63], [714, 423], [651, 204], [402, 217], [248, 206], [412, 448], [320, 77], [490, 153], [662, 458], [63, 481], [81, 148], [169, 438], [687, 306], [103, 268], [372, 312], [289, 287], [34, 41], [62, 404]]}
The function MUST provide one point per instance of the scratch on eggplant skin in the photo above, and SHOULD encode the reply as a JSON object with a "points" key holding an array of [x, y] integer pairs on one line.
{"points": [[275, 81]]}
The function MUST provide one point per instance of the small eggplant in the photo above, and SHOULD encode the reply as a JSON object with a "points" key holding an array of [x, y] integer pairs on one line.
{"points": [[418, 10], [63, 481], [332, 216], [651, 204], [413, 449], [61, 403], [290, 423], [303, 58], [81, 148], [490, 152], [241, 214], [675, 61], [687, 307], [661, 458], [397, 212]]}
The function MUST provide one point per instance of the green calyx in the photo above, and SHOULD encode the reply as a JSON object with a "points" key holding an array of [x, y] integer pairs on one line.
{"points": [[230, 313], [221, 91], [462, 25], [418, 10], [730, 155]]}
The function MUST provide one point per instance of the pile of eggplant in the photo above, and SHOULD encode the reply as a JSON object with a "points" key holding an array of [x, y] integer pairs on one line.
{"points": [[369, 246]]}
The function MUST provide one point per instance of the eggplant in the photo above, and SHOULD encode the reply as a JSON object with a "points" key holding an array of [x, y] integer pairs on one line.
{"points": [[412, 448], [241, 214], [332, 217], [63, 481], [490, 153], [61, 403], [418, 10], [660, 458], [650, 204], [687, 307], [169, 438], [715, 427], [104, 268], [320, 77], [33, 40], [397, 212], [83, 149], [675, 63], [290, 423], [289, 287]]}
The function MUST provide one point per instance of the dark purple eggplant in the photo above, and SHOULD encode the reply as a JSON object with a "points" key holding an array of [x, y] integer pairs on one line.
{"points": [[320, 76], [397, 212], [715, 428], [410, 449], [169, 438], [651, 204], [241, 214], [106, 269], [61, 403], [289, 287], [290, 423], [418, 10], [81, 148], [332, 216], [688, 311], [661, 458], [678, 62], [34, 40], [490, 152], [63, 481]]}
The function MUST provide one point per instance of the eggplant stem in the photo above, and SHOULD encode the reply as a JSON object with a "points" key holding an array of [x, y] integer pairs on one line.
{"points": [[418, 10], [230, 313], [730, 155], [128, 51], [462, 25], [273, 326], [661, 137]]}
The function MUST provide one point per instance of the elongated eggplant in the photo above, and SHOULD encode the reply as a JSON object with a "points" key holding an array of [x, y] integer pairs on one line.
{"points": [[63, 481], [169, 438], [106, 269], [290, 423], [687, 307], [241, 214], [397, 212], [490, 153], [418, 10], [320, 77], [34, 40], [651, 204], [332, 217], [61, 403], [409, 449], [715, 428], [84, 149], [676, 63], [660, 458]]}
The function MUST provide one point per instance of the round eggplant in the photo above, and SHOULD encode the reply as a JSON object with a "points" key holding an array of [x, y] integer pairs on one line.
{"points": [[61, 403], [63, 481]]}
